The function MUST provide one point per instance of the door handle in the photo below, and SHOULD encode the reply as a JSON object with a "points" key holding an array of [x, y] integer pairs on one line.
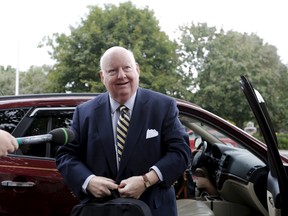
{"points": [[17, 184]]}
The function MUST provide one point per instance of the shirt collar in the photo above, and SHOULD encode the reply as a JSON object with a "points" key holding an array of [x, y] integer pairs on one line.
{"points": [[129, 104]]}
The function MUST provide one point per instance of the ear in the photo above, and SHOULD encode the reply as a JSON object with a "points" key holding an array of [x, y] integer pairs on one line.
{"points": [[138, 69], [101, 76]]}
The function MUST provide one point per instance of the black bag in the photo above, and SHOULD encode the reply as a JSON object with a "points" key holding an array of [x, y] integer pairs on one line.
{"points": [[114, 207]]}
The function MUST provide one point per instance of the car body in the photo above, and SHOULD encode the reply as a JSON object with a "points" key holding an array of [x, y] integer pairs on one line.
{"points": [[29, 176]]}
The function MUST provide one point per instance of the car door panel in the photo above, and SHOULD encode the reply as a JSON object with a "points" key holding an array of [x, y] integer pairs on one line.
{"points": [[35, 184]]}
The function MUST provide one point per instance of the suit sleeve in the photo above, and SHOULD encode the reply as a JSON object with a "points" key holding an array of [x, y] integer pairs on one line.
{"points": [[177, 154], [69, 162]]}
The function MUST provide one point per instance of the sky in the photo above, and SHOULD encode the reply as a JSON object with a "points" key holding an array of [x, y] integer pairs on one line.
{"points": [[23, 24]]}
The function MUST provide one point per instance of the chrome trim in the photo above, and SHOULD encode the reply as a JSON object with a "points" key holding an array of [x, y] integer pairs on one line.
{"points": [[50, 108]]}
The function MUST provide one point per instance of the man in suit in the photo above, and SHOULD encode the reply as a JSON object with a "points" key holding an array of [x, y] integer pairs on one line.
{"points": [[156, 150]]}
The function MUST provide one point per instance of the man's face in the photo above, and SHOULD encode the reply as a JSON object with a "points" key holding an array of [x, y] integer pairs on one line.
{"points": [[120, 75]]}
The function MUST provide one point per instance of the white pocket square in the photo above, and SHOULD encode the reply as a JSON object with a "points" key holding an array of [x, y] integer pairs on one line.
{"points": [[151, 133]]}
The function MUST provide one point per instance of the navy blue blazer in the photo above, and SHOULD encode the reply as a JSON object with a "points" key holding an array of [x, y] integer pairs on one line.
{"points": [[93, 151]]}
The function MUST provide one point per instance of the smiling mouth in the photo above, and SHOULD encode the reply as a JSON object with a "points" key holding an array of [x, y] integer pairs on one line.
{"points": [[121, 84]]}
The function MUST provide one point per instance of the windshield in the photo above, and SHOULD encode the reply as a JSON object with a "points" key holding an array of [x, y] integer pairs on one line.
{"points": [[196, 128]]}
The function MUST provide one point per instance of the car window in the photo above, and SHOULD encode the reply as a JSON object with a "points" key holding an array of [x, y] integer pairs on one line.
{"points": [[10, 118], [43, 122], [38, 127], [195, 128]]}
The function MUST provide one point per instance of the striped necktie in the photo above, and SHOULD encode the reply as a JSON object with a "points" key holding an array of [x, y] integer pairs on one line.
{"points": [[122, 129]]}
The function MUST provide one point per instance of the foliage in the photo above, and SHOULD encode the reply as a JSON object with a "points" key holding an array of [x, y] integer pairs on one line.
{"points": [[282, 141], [219, 58], [192, 49], [7, 80], [281, 138], [34, 80], [31, 82], [78, 54]]}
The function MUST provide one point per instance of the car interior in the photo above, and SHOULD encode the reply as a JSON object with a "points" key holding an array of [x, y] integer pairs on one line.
{"points": [[235, 180]]}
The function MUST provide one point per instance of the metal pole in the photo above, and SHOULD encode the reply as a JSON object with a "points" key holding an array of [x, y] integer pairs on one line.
{"points": [[17, 72]]}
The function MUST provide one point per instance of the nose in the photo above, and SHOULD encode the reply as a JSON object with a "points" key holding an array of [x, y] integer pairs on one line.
{"points": [[121, 74]]}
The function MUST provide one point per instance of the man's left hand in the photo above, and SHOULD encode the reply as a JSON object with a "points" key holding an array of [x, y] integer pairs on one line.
{"points": [[132, 187]]}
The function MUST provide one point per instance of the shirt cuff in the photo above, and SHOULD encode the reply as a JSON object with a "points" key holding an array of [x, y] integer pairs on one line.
{"points": [[158, 172], [85, 184]]}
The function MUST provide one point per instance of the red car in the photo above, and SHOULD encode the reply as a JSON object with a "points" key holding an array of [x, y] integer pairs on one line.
{"points": [[29, 177], [243, 175]]}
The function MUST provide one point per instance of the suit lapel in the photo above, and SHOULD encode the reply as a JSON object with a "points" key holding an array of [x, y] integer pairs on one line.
{"points": [[104, 124], [135, 128]]}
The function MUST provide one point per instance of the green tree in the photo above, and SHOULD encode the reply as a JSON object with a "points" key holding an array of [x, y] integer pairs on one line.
{"points": [[7, 80], [34, 81], [78, 54], [219, 59], [282, 100], [192, 49]]}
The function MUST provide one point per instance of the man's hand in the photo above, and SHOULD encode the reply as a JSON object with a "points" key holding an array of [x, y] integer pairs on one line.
{"points": [[132, 187], [101, 186]]}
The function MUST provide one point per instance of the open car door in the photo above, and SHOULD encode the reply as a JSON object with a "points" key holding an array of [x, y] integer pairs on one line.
{"points": [[277, 188]]}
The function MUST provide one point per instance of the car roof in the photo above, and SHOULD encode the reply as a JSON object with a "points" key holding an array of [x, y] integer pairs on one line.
{"points": [[56, 99], [51, 99]]}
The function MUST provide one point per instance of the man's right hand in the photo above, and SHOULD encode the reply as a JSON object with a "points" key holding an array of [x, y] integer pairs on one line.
{"points": [[101, 186]]}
